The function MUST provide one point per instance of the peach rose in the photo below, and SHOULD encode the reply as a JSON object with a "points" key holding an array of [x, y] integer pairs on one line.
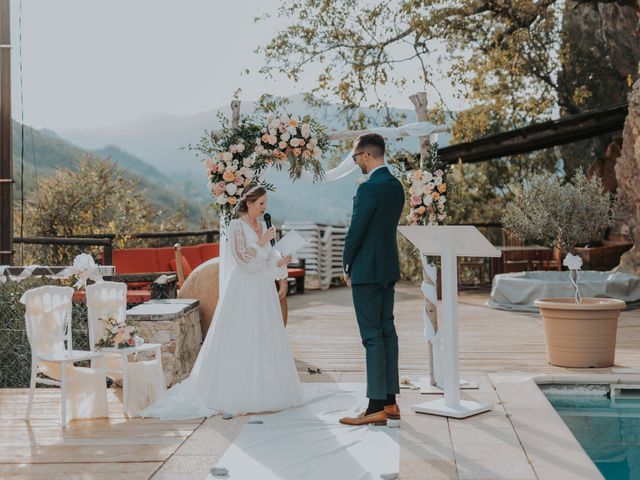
{"points": [[228, 177], [442, 187], [421, 210], [435, 196], [265, 138], [232, 200]]}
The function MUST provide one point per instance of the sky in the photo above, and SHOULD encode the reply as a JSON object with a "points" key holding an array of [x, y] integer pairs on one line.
{"points": [[91, 63]]}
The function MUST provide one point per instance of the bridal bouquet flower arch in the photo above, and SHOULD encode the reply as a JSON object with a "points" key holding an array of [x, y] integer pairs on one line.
{"points": [[426, 189], [236, 156], [298, 142]]}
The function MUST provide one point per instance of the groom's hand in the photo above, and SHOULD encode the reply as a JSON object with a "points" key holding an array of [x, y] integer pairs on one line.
{"points": [[347, 279]]}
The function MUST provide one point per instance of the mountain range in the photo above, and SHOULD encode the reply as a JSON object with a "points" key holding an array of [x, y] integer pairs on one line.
{"points": [[153, 148]]}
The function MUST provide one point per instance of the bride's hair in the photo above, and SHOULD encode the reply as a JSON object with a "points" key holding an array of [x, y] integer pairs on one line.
{"points": [[251, 193]]}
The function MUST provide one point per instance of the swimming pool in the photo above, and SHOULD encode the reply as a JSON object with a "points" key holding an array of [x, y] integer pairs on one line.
{"points": [[606, 422]]}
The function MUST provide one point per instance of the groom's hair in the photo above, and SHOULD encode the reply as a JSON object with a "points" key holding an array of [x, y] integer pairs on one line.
{"points": [[372, 142]]}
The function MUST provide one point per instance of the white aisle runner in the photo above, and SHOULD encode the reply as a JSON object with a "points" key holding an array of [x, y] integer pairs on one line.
{"points": [[309, 443]]}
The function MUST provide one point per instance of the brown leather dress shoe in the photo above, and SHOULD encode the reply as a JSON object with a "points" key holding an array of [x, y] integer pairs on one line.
{"points": [[378, 418], [393, 415]]}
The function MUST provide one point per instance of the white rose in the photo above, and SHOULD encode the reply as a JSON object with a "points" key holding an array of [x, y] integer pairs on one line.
{"points": [[427, 176], [572, 262], [427, 189], [249, 174], [272, 140], [221, 199], [412, 189], [317, 152], [285, 136], [442, 200], [312, 142], [427, 200], [259, 151], [273, 132], [306, 130], [274, 124], [437, 180], [249, 162], [292, 130], [232, 168], [294, 142], [232, 188], [227, 156], [240, 147]]}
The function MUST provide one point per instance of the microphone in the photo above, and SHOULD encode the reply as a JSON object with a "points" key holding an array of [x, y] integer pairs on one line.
{"points": [[267, 220]]}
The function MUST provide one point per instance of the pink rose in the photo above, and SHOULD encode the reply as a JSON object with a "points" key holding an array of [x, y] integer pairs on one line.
{"points": [[220, 168], [415, 200], [439, 173], [131, 342], [240, 180]]}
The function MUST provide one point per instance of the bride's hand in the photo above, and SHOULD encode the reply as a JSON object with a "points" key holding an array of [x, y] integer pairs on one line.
{"points": [[269, 235], [284, 261]]}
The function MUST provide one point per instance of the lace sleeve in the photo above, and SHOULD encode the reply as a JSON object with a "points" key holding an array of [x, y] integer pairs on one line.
{"points": [[247, 255]]}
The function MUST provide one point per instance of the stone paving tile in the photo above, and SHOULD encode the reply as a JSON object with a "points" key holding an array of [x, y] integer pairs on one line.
{"points": [[414, 469], [505, 469]]}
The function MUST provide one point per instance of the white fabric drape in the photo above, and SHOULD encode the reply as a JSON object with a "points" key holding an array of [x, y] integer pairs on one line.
{"points": [[47, 315]]}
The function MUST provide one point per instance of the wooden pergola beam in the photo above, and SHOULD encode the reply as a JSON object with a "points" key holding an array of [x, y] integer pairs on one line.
{"points": [[538, 136]]}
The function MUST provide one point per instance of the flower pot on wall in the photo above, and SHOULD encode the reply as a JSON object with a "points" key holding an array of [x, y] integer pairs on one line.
{"points": [[583, 334]]}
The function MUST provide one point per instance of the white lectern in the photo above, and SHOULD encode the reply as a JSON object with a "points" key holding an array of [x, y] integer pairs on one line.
{"points": [[449, 243]]}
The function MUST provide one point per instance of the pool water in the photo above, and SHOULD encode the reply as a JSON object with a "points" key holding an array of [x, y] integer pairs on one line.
{"points": [[609, 434]]}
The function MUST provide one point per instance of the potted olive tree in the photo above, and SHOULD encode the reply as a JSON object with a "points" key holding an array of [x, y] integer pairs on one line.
{"points": [[580, 332]]}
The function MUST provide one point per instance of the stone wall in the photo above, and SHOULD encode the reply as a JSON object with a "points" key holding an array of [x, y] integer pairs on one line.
{"points": [[628, 175], [176, 325]]}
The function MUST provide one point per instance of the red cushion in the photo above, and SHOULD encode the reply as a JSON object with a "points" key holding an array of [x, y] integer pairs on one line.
{"points": [[186, 268], [192, 254], [165, 255], [209, 251], [296, 272], [136, 260]]}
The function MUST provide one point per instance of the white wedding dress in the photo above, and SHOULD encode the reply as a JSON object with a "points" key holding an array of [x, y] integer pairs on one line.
{"points": [[245, 364]]}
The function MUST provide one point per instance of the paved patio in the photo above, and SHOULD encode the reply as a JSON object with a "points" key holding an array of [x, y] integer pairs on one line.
{"points": [[522, 438]]}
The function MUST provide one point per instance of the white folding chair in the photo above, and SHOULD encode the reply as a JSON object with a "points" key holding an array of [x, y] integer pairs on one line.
{"points": [[109, 299], [48, 324]]}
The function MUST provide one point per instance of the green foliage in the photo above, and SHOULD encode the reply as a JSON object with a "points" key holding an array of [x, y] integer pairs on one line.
{"points": [[563, 215], [94, 198]]}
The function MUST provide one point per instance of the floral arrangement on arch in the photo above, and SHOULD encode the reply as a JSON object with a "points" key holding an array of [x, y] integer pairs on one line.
{"points": [[117, 334], [426, 187], [240, 155], [298, 142], [231, 164]]}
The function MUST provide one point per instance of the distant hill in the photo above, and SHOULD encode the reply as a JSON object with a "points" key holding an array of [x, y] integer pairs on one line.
{"points": [[158, 139], [45, 152]]}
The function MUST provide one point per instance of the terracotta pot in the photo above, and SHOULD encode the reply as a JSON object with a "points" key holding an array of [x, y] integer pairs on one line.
{"points": [[583, 334]]}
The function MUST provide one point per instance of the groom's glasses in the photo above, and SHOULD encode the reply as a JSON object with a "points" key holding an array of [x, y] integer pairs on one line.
{"points": [[355, 156]]}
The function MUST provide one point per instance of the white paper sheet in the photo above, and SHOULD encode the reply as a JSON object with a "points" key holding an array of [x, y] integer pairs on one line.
{"points": [[291, 242]]}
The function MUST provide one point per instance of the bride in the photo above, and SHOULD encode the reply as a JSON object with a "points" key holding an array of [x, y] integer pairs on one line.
{"points": [[245, 364]]}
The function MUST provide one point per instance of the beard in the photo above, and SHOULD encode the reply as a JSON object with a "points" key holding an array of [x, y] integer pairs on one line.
{"points": [[364, 170]]}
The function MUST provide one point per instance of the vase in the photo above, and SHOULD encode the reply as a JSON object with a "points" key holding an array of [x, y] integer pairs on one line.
{"points": [[580, 335]]}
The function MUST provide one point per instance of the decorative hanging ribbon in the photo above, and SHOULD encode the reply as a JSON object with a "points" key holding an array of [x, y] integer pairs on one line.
{"points": [[84, 268]]}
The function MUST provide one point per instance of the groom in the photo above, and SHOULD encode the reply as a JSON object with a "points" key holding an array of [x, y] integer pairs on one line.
{"points": [[371, 268]]}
